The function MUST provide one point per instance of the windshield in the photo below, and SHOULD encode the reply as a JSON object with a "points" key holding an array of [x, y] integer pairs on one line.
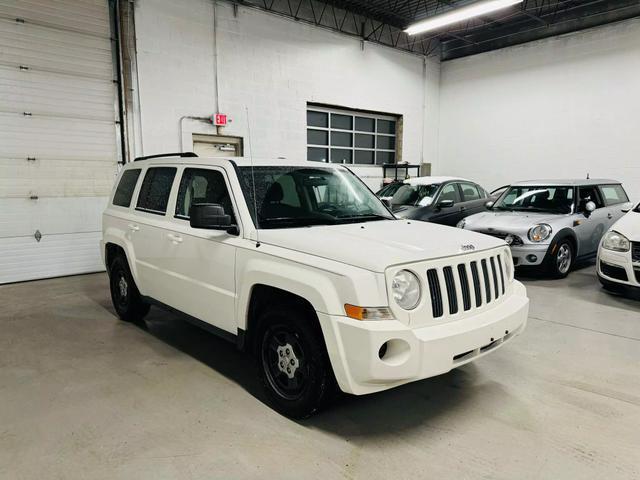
{"points": [[289, 197], [389, 190], [421, 195], [536, 199]]}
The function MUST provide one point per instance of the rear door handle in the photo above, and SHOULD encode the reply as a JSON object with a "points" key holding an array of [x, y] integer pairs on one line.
{"points": [[174, 238], [609, 216], [133, 227]]}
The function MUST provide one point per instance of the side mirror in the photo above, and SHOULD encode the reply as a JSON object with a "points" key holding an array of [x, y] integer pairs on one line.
{"points": [[445, 204], [387, 202], [210, 216], [489, 204], [589, 207]]}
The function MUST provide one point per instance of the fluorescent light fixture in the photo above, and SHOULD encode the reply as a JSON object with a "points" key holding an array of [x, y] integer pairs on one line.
{"points": [[458, 15]]}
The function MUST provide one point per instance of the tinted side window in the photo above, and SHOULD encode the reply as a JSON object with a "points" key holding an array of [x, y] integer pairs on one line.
{"points": [[199, 185], [449, 192], [588, 194], [125, 189], [155, 190], [614, 194], [470, 192]]}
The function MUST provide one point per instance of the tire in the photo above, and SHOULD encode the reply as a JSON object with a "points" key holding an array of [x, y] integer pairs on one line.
{"points": [[559, 262], [293, 363], [124, 293]]}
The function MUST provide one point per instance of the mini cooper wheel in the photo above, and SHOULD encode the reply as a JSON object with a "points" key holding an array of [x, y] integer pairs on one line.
{"points": [[295, 371], [561, 261], [124, 293]]}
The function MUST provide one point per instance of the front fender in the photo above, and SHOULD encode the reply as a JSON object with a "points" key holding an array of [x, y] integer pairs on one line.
{"points": [[326, 291]]}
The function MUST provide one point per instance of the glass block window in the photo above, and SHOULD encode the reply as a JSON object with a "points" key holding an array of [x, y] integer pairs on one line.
{"points": [[350, 136]]}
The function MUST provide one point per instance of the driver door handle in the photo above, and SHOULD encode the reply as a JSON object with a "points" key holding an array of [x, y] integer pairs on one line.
{"points": [[609, 216], [174, 238], [462, 209]]}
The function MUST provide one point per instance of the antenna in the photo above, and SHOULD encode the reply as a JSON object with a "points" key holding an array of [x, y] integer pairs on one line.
{"points": [[587, 176], [253, 178]]}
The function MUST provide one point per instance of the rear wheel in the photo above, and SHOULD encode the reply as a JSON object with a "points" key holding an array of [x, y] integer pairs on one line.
{"points": [[124, 293], [294, 366]]}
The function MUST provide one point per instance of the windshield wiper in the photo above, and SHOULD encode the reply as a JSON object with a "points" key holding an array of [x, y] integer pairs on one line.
{"points": [[363, 218], [275, 222]]}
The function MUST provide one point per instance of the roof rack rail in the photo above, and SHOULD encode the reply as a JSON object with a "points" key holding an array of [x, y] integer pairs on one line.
{"points": [[161, 155]]}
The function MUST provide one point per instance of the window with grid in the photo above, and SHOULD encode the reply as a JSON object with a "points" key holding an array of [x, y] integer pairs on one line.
{"points": [[350, 136]]}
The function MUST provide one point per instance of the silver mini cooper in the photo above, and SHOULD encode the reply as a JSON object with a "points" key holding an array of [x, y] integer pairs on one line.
{"points": [[550, 224]]}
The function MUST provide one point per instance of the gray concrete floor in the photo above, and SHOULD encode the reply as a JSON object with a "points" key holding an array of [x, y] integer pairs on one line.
{"points": [[83, 395]]}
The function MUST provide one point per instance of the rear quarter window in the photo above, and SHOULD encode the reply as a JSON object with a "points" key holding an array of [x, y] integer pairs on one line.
{"points": [[155, 190], [127, 185], [613, 194]]}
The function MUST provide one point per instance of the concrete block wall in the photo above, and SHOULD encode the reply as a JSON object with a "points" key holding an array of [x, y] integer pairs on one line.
{"points": [[270, 66]]}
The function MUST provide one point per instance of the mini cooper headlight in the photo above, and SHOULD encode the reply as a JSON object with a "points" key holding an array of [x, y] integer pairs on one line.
{"points": [[406, 289], [461, 223], [540, 233], [616, 241]]}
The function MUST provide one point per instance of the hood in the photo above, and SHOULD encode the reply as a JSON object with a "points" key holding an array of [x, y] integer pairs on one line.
{"points": [[629, 226], [508, 221], [378, 245]]}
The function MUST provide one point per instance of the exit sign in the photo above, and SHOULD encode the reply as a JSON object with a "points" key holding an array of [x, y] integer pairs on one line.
{"points": [[220, 119]]}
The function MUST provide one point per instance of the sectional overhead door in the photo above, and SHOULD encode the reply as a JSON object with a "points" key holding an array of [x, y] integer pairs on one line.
{"points": [[58, 143]]}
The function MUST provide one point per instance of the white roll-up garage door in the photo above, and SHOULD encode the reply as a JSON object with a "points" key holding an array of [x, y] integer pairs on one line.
{"points": [[58, 144]]}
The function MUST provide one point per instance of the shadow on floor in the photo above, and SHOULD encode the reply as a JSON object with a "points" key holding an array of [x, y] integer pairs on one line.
{"points": [[397, 410]]}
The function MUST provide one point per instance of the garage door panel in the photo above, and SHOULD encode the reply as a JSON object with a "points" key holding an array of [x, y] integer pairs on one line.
{"points": [[43, 137], [57, 95], [89, 16], [21, 217], [20, 178], [53, 256], [47, 49], [58, 135]]}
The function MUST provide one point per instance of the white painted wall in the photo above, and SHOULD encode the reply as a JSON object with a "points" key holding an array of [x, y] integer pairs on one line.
{"points": [[559, 107], [273, 66]]}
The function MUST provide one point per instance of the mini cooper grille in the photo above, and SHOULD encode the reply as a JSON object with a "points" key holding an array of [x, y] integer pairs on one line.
{"points": [[635, 251], [464, 280], [515, 240]]}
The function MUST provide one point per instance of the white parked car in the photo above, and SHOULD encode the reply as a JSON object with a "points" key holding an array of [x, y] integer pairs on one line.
{"points": [[301, 265], [619, 255]]}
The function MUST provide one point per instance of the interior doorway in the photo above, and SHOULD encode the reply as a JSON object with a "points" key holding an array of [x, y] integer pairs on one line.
{"points": [[217, 145]]}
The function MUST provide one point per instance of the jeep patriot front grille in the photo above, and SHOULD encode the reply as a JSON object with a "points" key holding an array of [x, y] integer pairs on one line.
{"points": [[462, 286]]}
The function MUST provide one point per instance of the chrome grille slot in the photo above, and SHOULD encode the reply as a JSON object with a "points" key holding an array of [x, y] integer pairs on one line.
{"points": [[464, 285], [485, 276], [501, 274], [436, 294], [476, 283], [635, 251], [451, 290], [495, 277]]}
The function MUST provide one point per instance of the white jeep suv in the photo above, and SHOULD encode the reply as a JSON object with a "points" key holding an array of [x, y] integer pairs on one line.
{"points": [[303, 266]]}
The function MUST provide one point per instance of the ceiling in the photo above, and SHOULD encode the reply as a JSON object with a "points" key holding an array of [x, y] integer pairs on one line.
{"points": [[383, 21]]}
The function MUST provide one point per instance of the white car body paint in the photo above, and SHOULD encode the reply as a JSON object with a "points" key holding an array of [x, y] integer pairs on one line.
{"points": [[210, 275]]}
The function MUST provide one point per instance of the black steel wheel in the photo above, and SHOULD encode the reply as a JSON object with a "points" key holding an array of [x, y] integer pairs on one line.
{"points": [[293, 362], [124, 293]]}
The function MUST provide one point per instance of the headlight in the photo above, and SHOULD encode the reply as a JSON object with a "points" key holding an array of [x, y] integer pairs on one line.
{"points": [[406, 289], [461, 223], [616, 241], [540, 233]]}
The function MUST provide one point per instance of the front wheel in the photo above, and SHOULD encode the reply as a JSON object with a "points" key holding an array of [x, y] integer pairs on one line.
{"points": [[559, 262], [294, 366]]}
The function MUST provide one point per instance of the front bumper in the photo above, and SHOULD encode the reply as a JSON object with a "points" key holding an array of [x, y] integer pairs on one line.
{"points": [[619, 262], [414, 354], [523, 255]]}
